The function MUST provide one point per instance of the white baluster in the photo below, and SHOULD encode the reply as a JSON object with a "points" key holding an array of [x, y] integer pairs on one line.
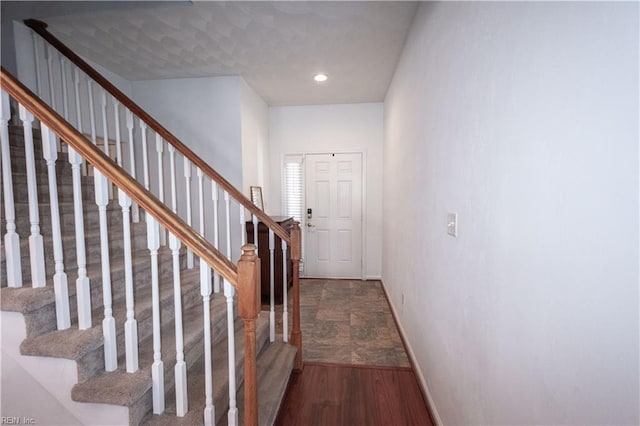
{"points": [[103, 113], [108, 323], [272, 311], [285, 290], [65, 95], [36, 243], [172, 171], [135, 211], [243, 227], [36, 57], [157, 368], [130, 325], [116, 118], [181, 366], [60, 283], [205, 291], [229, 292], [216, 232], [255, 231], [82, 282], [83, 290], [145, 157], [159, 150], [227, 209], [105, 133], [76, 92], [145, 154], [174, 243], [11, 238], [201, 221], [52, 90], [92, 114], [187, 178]]}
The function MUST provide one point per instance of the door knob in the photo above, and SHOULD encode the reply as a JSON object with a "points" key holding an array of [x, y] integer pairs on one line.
{"points": [[309, 225]]}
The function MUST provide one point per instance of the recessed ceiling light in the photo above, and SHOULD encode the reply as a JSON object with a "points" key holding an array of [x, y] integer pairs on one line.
{"points": [[320, 77]]}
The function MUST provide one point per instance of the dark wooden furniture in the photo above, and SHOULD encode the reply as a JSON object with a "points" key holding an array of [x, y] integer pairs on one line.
{"points": [[265, 259]]}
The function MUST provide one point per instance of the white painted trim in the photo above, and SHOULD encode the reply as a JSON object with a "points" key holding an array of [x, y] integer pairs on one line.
{"points": [[414, 361], [363, 212], [373, 278]]}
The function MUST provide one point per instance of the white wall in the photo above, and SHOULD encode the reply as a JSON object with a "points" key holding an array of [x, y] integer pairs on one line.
{"points": [[255, 141], [204, 113], [333, 128], [523, 119]]}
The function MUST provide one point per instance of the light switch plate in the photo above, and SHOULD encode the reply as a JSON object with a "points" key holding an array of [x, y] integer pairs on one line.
{"points": [[452, 224]]}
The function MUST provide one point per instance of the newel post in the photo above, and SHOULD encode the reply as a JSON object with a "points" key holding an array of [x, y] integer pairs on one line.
{"points": [[296, 335], [248, 309]]}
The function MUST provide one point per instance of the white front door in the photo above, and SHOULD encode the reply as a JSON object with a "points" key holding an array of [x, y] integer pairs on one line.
{"points": [[334, 228]]}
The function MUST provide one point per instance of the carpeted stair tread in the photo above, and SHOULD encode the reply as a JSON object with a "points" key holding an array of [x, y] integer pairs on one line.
{"points": [[25, 299], [275, 364], [115, 387], [71, 343]]}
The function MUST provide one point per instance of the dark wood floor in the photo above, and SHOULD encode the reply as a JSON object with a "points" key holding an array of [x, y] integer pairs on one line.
{"points": [[334, 395]]}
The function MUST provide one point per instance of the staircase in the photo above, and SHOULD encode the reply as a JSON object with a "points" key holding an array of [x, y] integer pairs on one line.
{"points": [[102, 372]]}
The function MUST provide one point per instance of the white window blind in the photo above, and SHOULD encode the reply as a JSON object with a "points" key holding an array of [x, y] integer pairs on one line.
{"points": [[293, 191], [293, 187]]}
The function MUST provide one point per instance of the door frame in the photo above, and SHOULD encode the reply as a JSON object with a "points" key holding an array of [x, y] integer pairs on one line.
{"points": [[303, 225]]}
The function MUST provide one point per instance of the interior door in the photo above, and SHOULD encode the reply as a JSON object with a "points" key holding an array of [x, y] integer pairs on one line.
{"points": [[333, 216]]}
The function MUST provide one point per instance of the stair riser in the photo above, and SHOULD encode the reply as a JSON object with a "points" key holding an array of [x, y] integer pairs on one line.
{"points": [[41, 322], [142, 278], [93, 362], [92, 249], [64, 182], [65, 189], [19, 165], [17, 144], [91, 218]]}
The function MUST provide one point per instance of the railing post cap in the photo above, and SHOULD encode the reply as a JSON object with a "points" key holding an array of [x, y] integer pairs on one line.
{"points": [[248, 251]]}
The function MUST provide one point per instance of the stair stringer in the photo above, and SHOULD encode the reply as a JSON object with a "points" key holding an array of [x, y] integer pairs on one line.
{"points": [[49, 402]]}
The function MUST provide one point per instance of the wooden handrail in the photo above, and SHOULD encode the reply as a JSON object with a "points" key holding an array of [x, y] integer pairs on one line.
{"points": [[105, 165], [41, 28]]}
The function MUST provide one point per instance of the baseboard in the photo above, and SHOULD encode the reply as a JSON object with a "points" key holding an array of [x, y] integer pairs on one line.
{"points": [[431, 406], [373, 277]]}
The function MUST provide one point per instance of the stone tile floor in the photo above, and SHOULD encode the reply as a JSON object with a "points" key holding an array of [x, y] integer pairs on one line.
{"points": [[347, 322]]}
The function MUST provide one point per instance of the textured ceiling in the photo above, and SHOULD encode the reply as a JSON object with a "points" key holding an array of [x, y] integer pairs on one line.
{"points": [[276, 47]]}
